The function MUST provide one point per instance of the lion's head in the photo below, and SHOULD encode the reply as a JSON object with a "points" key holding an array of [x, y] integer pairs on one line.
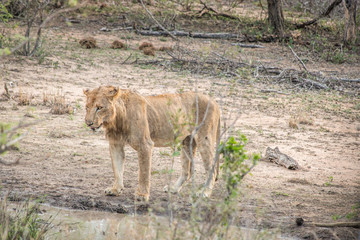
{"points": [[100, 106]]}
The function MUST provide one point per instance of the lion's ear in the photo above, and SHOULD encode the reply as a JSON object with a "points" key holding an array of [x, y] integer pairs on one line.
{"points": [[113, 93], [86, 92]]}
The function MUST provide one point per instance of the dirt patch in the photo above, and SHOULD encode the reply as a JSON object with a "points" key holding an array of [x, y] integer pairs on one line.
{"points": [[69, 164]]}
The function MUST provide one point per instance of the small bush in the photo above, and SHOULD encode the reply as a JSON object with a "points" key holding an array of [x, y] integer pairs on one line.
{"points": [[24, 223]]}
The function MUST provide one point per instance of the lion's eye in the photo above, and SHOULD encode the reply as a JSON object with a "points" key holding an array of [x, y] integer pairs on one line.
{"points": [[98, 108]]}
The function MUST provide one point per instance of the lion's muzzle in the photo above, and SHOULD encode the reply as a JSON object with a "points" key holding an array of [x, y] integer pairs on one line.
{"points": [[91, 125]]}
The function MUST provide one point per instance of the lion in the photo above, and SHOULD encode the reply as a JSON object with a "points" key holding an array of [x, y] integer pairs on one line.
{"points": [[145, 122]]}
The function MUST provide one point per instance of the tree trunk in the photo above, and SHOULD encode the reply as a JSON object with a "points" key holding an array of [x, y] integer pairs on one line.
{"points": [[276, 17], [350, 21]]}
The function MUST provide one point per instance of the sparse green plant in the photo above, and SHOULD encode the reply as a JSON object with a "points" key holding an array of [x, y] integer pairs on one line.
{"points": [[354, 213], [330, 180], [235, 166], [281, 194], [217, 216], [338, 57]]}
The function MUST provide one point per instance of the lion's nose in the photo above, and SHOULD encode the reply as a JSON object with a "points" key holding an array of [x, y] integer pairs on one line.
{"points": [[89, 123]]}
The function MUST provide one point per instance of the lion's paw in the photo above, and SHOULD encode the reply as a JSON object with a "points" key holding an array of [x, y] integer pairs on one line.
{"points": [[112, 192], [172, 189], [203, 194], [142, 198]]}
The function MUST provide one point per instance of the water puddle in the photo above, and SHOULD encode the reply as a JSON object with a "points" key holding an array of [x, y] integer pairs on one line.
{"points": [[96, 225]]}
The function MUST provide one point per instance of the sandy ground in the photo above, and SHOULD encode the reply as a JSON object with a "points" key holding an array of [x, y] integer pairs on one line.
{"points": [[69, 164]]}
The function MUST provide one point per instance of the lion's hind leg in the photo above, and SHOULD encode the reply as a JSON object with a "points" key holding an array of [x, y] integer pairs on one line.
{"points": [[206, 140], [185, 163]]}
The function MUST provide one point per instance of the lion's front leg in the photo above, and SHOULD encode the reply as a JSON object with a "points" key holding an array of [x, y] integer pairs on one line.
{"points": [[144, 155], [117, 155]]}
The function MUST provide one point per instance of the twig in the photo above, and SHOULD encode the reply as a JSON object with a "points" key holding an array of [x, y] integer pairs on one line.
{"points": [[210, 9], [302, 63], [43, 24], [273, 90], [156, 21], [127, 59], [247, 45], [7, 93]]}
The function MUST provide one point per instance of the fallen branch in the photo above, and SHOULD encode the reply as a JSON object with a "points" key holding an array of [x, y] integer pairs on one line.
{"points": [[314, 83], [207, 9], [192, 34], [247, 45], [297, 57], [324, 14], [273, 91], [345, 80], [156, 21], [338, 224], [212, 63]]}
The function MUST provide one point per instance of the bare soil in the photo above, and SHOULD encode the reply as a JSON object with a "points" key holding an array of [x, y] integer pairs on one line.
{"points": [[69, 164]]}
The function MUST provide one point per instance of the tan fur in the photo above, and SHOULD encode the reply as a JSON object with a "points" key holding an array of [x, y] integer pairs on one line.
{"points": [[149, 51], [117, 45], [146, 45], [165, 48], [145, 122]]}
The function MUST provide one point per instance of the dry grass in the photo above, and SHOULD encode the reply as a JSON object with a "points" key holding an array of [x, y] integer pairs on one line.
{"points": [[300, 118], [88, 42], [59, 106], [57, 103], [24, 98], [46, 99], [293, 123], [299, 181], [118, 45], [146, 45]]}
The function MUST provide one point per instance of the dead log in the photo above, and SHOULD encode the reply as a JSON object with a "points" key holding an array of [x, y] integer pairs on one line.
{"points": [[339, 224], [247, 45], [345, 80], [314, 83], [193, 34], [274, 155]]}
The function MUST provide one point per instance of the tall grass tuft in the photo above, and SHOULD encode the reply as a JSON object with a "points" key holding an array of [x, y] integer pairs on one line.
{"points": [[22, 222]]}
